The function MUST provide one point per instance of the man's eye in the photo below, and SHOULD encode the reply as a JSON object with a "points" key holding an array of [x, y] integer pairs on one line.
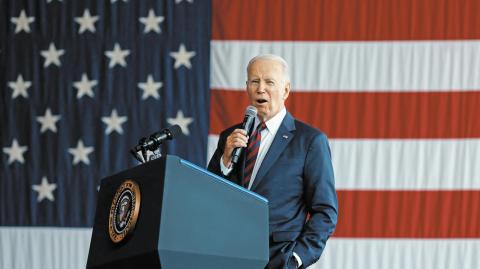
{"points": [[254, 81]]}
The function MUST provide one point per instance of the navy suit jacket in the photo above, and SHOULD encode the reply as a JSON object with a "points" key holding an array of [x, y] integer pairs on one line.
{"points": [[297, 178]]}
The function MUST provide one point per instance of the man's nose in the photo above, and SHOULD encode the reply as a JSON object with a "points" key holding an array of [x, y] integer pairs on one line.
{"points": [[261, 87]]}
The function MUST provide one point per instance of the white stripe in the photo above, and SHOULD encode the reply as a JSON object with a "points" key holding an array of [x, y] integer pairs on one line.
{"points": [[419, 164], [356, 66], [400, 254], [406, 164], [56, 248], [53, 248]]}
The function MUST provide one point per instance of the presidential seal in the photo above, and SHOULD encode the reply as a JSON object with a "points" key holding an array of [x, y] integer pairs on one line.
{"points": [[124, 211]]}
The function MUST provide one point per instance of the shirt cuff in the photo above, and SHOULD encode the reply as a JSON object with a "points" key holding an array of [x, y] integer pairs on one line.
{"points": [[299, 261], [225, 170]]}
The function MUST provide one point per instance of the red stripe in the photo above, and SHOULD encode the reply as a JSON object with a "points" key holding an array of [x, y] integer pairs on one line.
{"points": [[368, 115], [409, 214], [313, 20], [253, 153], [246, 180], [249, 166]]}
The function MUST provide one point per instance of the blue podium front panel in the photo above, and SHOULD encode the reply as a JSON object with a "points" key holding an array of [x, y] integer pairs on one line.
{"points": [[208, 222]]}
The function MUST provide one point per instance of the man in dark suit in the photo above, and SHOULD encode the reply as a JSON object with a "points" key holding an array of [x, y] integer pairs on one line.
{"points": [[286, 161]]}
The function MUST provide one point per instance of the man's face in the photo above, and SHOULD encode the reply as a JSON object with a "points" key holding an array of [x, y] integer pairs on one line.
{"points": [[267, 88]]}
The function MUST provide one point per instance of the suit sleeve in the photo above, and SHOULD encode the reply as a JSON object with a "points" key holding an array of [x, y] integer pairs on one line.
{"points": [[321, 201]]}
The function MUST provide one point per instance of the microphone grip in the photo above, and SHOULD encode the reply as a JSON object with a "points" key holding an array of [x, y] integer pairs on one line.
{"points": [[236, 155]]}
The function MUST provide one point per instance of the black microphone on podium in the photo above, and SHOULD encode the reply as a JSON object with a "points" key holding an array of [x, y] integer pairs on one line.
{"points": [[248, 121], [154, 141]]}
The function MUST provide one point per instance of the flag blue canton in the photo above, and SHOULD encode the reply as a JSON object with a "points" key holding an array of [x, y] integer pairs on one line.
{"points": [[81, 82]]}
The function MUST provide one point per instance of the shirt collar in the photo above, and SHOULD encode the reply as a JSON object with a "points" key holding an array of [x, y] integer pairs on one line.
{"points": [[274, 123]]}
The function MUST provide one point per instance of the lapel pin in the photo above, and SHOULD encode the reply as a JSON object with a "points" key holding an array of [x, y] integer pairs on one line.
{"points": [[285, 136]]}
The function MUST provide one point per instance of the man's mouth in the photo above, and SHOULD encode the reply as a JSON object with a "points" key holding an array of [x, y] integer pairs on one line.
{"points": [[261, 101]]}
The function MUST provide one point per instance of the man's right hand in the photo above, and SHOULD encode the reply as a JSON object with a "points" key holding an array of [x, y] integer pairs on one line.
{"points": [[238, 138]]}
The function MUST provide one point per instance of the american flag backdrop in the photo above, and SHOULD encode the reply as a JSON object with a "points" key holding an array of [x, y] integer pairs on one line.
{"points": [[394, 84]]}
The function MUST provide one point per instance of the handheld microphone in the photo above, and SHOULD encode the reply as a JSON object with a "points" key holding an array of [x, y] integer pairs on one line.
{"points": [[248, 121]]}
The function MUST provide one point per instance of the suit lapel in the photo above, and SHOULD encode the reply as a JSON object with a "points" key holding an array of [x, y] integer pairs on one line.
{"points": [[280, 141]]}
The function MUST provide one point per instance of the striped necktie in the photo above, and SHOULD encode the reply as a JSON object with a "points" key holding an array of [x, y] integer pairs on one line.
{"points": [[252, 152]]}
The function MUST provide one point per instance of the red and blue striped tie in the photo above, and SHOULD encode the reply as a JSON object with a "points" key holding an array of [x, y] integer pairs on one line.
{"points": [[252, 152]]}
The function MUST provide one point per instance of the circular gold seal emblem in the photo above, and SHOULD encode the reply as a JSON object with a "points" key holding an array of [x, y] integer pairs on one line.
{"points": [[124, 211]]}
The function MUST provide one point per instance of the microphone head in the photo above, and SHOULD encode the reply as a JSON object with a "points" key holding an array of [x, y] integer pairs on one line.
{"points": [[251, 111], [175, 130]]}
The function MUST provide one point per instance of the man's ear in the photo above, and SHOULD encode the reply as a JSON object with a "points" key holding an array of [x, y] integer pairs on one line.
{"points": [[286, 91]]}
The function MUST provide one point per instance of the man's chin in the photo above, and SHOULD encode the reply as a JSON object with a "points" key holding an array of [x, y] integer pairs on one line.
{"points": [[262, 115]]}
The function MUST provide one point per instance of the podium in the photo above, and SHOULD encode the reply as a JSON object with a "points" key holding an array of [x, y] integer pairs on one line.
{"points": [[186, 217]]}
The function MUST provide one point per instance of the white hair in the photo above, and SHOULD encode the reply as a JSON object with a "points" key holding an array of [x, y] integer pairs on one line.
{"points": [[276, 58]]}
